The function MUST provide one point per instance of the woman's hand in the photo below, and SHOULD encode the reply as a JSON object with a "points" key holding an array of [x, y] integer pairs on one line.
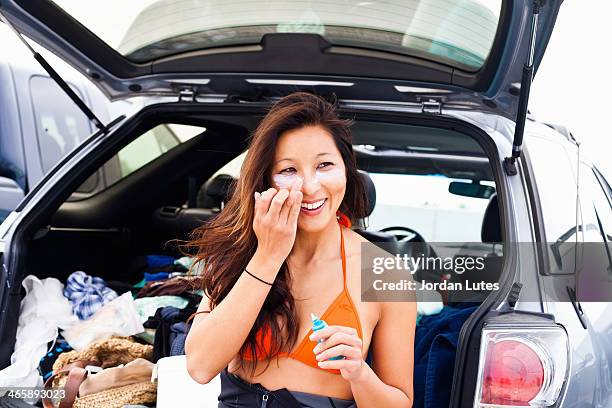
{"points": [[275, 221], [340, 341]]}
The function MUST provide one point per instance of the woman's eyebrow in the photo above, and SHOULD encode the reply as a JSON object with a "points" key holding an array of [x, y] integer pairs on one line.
{"points": [[318, 155]]}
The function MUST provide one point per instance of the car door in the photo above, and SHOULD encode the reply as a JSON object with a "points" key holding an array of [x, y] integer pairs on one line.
{"points": [[596, 207]]}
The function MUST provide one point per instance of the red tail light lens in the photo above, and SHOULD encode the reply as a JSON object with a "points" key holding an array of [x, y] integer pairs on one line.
{"points": [[513, 373], [521, 366]]}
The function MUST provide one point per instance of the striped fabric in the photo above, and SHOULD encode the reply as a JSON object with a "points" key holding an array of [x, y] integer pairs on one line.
{"points": [[87, 294]]}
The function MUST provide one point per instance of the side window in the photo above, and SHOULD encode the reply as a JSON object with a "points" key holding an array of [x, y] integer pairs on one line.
{"points": [[148, 147], [556, 185], [435, 213], [60, 125]]}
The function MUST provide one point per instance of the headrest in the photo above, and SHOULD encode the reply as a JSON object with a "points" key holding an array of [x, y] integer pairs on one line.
{"points": [[491, 223], [215, 191], [370, 190]]}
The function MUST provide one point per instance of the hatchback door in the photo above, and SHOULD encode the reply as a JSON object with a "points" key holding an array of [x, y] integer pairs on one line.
{"points": [[466, 51]]}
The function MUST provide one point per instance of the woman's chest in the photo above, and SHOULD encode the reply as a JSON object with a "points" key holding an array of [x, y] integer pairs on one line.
{"points": [[338, 303]]}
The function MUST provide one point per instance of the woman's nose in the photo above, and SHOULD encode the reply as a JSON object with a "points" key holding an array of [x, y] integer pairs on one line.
{"points": [[310, 184]]}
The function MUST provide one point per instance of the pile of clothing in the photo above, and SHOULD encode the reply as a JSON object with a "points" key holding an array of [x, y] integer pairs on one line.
{"points": [[100, 345]]}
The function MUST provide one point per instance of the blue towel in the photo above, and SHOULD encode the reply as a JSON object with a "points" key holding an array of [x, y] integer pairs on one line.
{"points": [[159, 261], [149, 277], [435, 347]]}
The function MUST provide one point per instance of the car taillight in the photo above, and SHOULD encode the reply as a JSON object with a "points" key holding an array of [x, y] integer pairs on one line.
{"points": [[513, 373], [521, 367]]}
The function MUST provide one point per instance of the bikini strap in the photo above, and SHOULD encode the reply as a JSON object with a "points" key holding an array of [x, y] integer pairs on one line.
{"points": [[343, 255]]}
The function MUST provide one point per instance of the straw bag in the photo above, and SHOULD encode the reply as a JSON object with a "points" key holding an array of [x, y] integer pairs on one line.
{"points": [[127, 375], [138, 393]]}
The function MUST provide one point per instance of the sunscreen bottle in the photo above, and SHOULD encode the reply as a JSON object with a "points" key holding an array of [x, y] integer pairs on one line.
{"points": [[318, 324]]}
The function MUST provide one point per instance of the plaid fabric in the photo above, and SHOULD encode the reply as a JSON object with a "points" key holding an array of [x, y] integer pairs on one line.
{"points": [[87, 294]]}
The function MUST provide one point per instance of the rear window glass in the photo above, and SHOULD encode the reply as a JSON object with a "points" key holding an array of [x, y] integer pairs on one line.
{"points": [[456, 32]]}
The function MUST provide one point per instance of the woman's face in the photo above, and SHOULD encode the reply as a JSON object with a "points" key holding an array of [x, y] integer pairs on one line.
{"points": [[310, 153]]}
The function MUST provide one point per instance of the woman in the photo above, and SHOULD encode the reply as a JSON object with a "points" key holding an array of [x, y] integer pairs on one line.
{"points": [[282, 249]]}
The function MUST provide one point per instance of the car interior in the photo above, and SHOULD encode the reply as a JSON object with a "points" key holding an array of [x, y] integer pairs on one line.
{"points": [[160, 191]]}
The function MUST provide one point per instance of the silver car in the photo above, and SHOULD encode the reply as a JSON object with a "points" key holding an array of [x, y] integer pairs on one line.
{"points": [[438, 90]]}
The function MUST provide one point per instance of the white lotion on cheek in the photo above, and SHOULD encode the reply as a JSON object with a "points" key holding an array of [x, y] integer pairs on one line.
{"points": [[285, 180], [334, 175]]}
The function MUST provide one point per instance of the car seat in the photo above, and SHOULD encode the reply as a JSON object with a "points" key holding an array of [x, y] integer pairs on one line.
{"points": [[490, 250], [210, 200], [216, 192], [372, 236]]}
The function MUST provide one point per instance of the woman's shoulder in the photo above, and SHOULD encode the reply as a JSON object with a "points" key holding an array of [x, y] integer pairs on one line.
{"points": [[360, 246], [353, 237]]}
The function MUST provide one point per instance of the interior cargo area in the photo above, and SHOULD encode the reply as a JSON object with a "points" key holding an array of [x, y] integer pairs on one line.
{"points": [[430, 186]]}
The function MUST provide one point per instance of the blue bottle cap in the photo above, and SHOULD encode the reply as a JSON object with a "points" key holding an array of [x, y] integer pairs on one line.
{"points": [[317, 324]]}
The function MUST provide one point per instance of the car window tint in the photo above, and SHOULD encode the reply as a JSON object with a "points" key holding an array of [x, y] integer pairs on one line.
{"points": [[60, 124], [556, 185]]}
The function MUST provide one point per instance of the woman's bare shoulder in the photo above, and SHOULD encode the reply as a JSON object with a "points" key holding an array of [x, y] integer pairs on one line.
{"points": [[363, 247]]}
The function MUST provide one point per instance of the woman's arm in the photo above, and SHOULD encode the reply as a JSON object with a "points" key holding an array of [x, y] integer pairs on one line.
{"points": [[389, 382], [216, 337]]}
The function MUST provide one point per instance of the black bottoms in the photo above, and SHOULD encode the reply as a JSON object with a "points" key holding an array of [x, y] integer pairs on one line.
{"points": [[237, 393]]}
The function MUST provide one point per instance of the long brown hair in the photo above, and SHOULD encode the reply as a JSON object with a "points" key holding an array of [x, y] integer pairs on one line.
{"points": [[227, 243]]}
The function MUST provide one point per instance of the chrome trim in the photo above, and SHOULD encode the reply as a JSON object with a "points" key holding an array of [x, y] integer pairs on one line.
{"points": [[188, 81], [417, 89], [297, 82]]}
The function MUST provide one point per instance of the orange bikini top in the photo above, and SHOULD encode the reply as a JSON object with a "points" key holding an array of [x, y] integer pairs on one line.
{"points": [[342, 312]]}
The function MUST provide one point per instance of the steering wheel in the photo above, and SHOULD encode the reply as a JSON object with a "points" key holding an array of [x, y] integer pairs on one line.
{"points": [[406, 234], [411, 243]]}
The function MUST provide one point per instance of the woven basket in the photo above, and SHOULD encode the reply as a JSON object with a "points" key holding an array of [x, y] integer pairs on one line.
{"points": [[139, 393]]}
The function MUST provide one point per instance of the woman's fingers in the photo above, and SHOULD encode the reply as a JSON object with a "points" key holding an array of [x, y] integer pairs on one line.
{"points": [[284, 211], [295, 199], [330, 330], [262, 203], [346, 351], [336, 339], [351, 365], [276, 205], [294, 211]]}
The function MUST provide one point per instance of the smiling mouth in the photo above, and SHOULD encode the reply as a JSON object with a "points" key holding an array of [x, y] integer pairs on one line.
{"points": [[313, 206]]}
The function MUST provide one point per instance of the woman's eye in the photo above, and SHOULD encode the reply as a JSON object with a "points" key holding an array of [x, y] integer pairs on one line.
{"points": [[325, 164], [289, 170]]}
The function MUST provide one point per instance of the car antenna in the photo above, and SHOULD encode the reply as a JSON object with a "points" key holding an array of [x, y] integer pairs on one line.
{"points": [[58, 79], [527, 78]]}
